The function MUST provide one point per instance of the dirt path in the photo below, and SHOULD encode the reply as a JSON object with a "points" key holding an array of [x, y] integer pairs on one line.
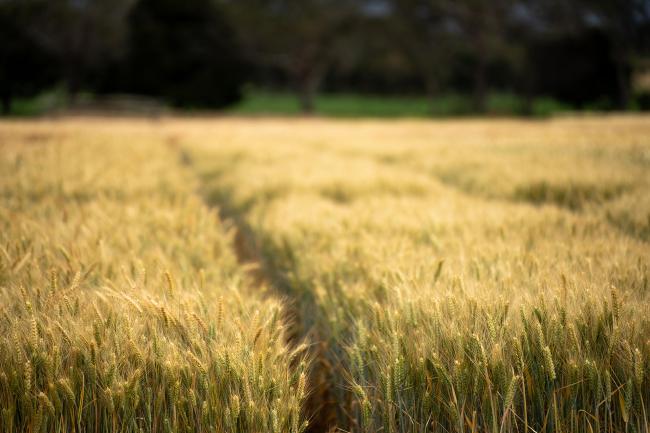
{"points": [[321, 407]]}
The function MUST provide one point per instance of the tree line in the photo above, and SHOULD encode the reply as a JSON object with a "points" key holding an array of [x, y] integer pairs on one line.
{"points": [[199, 53]]}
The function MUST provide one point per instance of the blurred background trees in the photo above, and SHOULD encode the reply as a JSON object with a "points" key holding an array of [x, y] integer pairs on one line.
{"points": [[202, 53], [26, 68], [184, 51], [297, 38]]}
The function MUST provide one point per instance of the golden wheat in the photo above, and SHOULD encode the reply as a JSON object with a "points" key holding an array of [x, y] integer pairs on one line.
{"points": [[443, 261], [458, 276], [93, 342]]}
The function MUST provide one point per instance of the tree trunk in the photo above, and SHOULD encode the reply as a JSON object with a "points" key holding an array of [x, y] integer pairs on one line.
{"points": [[528, 90], [307, 82], [480, 80], [622, 83], [306, 97], [431, 85], [6, 103], [72, 86], [527, 107], [72, 79]]}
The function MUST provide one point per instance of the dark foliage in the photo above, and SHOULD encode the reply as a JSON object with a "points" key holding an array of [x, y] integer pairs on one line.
{"points": [[577, 68], [26, 68], [185, 52], [198, 53]]}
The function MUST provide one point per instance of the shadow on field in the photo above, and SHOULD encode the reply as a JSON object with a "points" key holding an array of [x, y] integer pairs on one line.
{"points": [[257, 258]]}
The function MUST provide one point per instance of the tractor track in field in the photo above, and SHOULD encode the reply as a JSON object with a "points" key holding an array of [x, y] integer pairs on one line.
{"points": [[321, 407]]}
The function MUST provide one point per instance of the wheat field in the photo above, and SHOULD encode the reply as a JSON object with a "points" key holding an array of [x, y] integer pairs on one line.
{"points": [[123, 305], [290, 275]]}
